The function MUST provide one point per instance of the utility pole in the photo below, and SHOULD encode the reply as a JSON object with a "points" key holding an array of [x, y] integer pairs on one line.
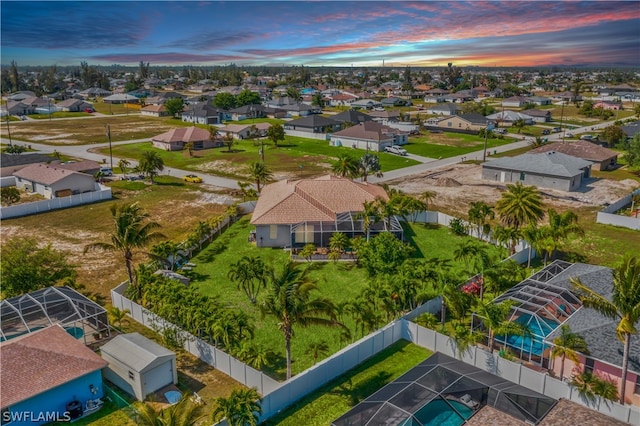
{"points": [[561, 120], [8, 129], [110, 151]]}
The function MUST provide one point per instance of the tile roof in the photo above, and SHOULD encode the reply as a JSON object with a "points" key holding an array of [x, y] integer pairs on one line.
{"points": [[580, 149], [45, 174], [319, 199], [183, 134], [42, 360], [369, 130], [549, 163]]}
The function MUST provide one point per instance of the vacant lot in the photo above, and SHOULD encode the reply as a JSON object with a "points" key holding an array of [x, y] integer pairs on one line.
{"points": [[446, 144]]}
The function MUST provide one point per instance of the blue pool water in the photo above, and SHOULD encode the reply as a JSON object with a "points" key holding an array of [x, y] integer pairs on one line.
{"points": [[532, 344], [173, 396], [439, 413], [76, 332]]}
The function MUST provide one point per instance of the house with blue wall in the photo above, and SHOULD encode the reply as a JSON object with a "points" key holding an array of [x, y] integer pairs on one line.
{"points": [[46, 376]]}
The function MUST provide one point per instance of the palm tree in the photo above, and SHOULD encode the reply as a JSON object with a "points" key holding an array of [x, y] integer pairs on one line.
{"points": [[519, 124], [345, 166], [428, 197], [317, 349], [241, 408], [250, 274], [213, 132], [624, 306], [117, 315], [561, 225], [260, 173], [291, 303], [367, 165], [508, 236], [479, 212], [495, 317], [566, 345], [182, 413], [257, 356], [370, 214], [151, 163], [189, 148], [130, 233], [124, 164], [520, 205]]}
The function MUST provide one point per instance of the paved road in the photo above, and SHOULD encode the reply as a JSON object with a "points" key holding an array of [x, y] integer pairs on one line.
{"points": [[83, 151]]}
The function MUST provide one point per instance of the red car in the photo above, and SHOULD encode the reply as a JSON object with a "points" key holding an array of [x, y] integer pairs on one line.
{"points": [[88, 110]]}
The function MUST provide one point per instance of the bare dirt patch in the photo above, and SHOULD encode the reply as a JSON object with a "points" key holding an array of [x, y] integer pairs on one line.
{"points": [[442, 139], [449, 196]]}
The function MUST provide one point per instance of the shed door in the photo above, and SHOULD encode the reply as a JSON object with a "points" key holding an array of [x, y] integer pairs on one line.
{"points": [[158, 377], [503, 176]]}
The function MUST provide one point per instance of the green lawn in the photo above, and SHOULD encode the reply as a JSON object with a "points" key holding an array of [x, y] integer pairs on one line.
{"points": [[444, 145], [340, 395], [340, 282]]}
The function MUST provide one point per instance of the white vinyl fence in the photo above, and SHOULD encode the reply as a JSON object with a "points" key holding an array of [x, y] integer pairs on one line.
{"points": [[104, 193], [607, 215]]}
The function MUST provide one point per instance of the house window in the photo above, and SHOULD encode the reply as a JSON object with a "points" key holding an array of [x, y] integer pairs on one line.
{"points": [[521, 175], [589, 364], [131, 376], [459, 124], [450, 124], [304, 234], [273, 232]]}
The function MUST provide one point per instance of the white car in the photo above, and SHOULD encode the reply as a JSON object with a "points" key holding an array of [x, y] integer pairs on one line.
{"points": [[394, 149]]}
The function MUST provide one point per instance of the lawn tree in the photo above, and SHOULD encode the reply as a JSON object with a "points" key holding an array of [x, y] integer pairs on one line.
{"points": [[124, 164], [132, 232], [9, 195], [117, 315], [623, 307], [151, 164], [369, 164], [291, 302], [632, 150], [247, 97], [613, 135], [214, 132], [275, 133], [224, 100], [566, 345], [241, 408], [260, 174], [317, 100], [229, 141], [15, 149], [256, 355], [479, 214], [345, 166], [174, 106], [25, 266], [383, 254], [520, 205], [248, 193], [250, 274], [519, 124], [337, 244], [369, 215], [167, 253]]}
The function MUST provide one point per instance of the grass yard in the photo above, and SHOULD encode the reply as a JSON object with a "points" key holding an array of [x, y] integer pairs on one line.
{"points": [[340, 395], [340, 282], [294, 158], [444, 145]]}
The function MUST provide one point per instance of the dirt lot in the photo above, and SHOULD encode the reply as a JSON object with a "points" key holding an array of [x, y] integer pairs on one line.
{"points": [[459, 185]]}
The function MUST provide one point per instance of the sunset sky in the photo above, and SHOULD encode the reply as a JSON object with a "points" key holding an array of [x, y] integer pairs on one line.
{"points": [[319, 33]]}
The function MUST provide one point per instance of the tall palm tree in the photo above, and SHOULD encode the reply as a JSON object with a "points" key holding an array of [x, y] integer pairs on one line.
{"points": [[345, 166], [182, 413], [566, 345], [520, 205], [495, 317], [561, 225], [507, 235], [124, 165], [479, 213], [624, 306], [370, 214], [132, 231], [151, 163], [291, 303], [260, 173], [241, 408]]}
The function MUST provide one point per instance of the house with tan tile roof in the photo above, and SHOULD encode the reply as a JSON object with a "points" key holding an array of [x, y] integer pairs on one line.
{"points": [[176, 139], [601, 157], [155, 111], [370, 136], [294, 213], [47, 373], [244, 131], [53, 181]]}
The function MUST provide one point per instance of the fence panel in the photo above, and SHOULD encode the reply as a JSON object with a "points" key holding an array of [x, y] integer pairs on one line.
{"points": [[508, 369], [556, 388], [533, 379], [104, 193]]}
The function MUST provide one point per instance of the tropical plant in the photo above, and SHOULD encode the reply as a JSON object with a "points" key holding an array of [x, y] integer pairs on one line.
{"points": [[520, 205], [458, 227], [566, 345], [117, 315], [241, 408], [275, 133], [369, 164], [345, 166], [428, 197], [290, 301], [9, 195], [260, 173], [590, 387], [132, 231], [624, 306], [479, 214], [250, 273], [124, 164], [182, 413], [174, 106], [370, 215], [495, 317], [464, 337], [188, 147], [257, 356], [427, 320], [166, 252], [307, 251], [561, 225], [151, 164], [317, 349], [229, 141], [519, 124]]}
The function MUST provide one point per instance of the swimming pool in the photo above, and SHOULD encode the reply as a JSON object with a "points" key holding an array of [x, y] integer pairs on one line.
{"points": [[539, 328], [439, 413]]}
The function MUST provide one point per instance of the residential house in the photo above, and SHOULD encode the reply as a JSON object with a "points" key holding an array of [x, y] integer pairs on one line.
{"points": [[342, 99], [444, 109], [370, 136], [601, 157], [247, 111], [176, 139], [393, 101], [435, 95], [52, 181], [608, 105], [20, 95], [469, 122], [295, 213], [458, 97], [509, 117], [245, 131], [154, 111], [351, 116], [631, 129], [121, 98], [546, 170], [386, 115], [538, 115], [9, 164], [138, 365], [74, 105], [89, 167], [313, 124], [515, 102], [539, 100], [566, 97], [48, 375], [203, 113], [162, 98], [364, 104], [94, 92], [19, 108]]}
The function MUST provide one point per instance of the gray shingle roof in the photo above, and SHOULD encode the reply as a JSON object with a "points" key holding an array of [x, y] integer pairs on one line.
{"points": [[549, 163]]}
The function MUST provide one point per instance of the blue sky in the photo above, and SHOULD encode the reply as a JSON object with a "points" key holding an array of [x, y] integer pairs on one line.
{"points": [[321, 33]]}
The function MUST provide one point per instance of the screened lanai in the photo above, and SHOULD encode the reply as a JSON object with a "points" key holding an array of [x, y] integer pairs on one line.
{"points": [[445, 391], [539, 305], [80, 316], [349, 223]]}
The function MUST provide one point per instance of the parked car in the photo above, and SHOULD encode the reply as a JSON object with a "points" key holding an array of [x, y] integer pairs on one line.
{"points": [[586, 137], [106, 171], [378, 109], [395, 149], [568, 135], [546, 131], [193, 179], [556, 129], [500, 131]]}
